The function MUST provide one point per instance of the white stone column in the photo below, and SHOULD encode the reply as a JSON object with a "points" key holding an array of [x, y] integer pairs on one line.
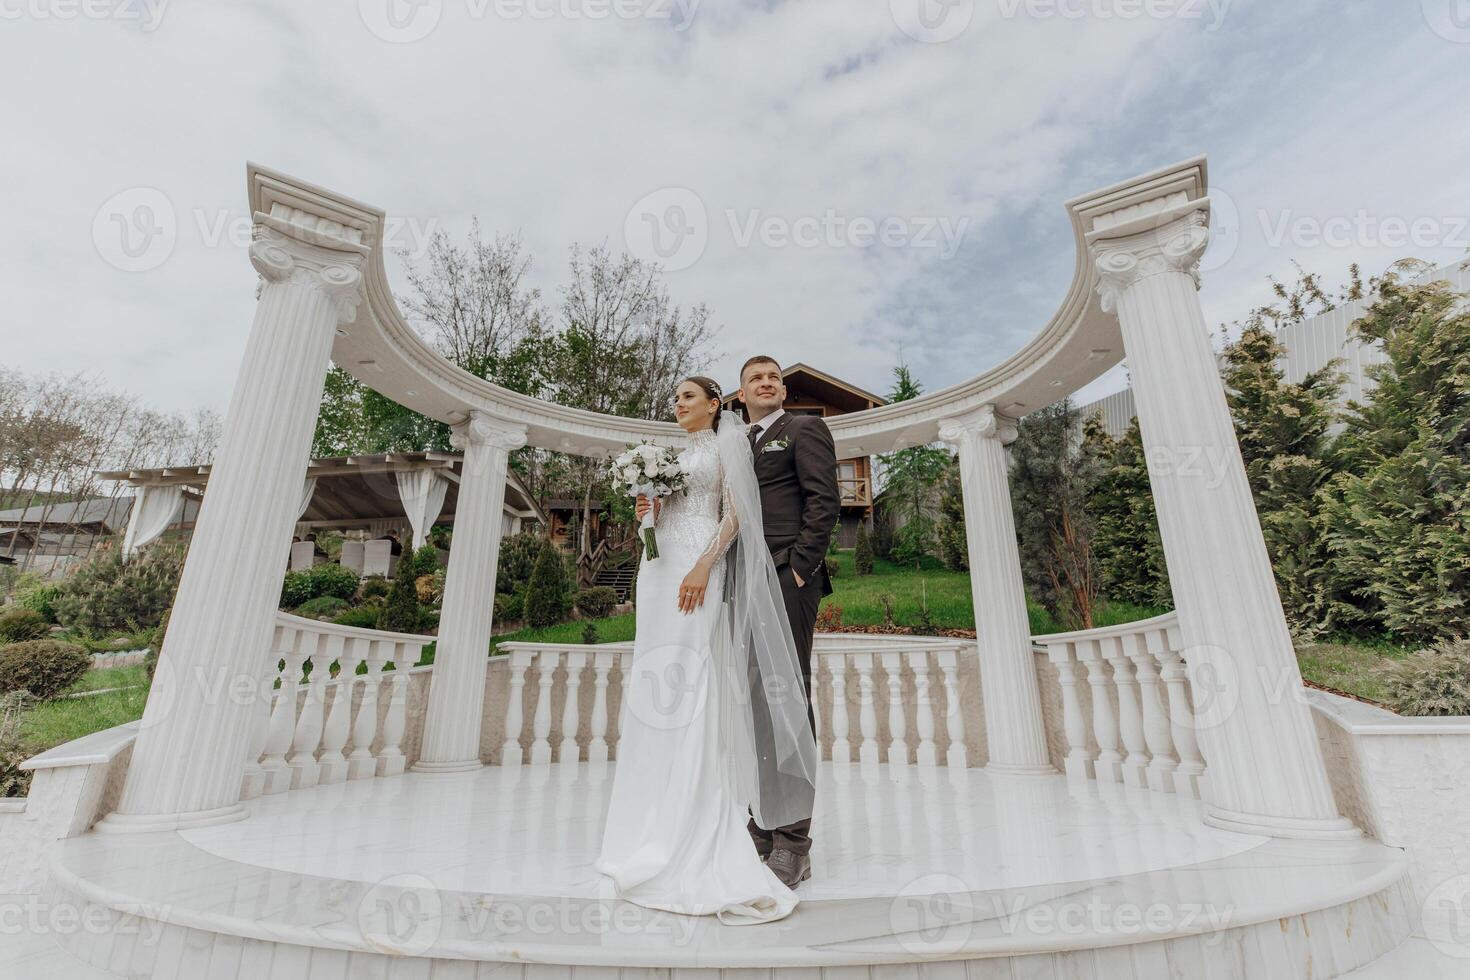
{"points": [[1266, 774], [190, 752], [1013, 722], [457, 691]]}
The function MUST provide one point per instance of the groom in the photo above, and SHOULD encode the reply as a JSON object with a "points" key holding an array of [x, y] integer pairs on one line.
{"points": [[796, 466]]}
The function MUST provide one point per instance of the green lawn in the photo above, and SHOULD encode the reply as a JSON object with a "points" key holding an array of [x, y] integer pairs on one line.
{"points": [[50, 723]]}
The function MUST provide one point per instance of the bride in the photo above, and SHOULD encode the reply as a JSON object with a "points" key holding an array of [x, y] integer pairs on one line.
{"points": [[714, 718]]}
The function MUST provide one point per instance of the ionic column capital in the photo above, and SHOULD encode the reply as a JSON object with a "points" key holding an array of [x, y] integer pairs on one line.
{"points": [[984, 422], [1174, 245], [482, 429], [280, 256]]}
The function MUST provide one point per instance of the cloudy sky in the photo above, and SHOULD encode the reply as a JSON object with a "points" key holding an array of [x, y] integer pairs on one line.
{"points": [[757, 148]]}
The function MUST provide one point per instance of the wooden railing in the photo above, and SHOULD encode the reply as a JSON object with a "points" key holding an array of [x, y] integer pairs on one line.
{"points": [[1129, 712], [912, 681], [318, 728], [855, 491]]}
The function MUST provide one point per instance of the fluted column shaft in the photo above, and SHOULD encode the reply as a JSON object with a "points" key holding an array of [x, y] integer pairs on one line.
{"points": [[1012, 697], [188, 759], [1266, 773], [457, 690]]}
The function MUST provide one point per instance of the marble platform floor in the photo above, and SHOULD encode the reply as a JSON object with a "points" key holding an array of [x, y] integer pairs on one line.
{"points": [[910, 865]]}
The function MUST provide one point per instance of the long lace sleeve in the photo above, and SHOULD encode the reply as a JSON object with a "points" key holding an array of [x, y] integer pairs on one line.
{"points": [[729, 528]]}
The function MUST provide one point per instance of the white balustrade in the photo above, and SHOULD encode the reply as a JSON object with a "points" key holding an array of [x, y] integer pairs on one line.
{"points": [[301, 737], [1139, 701], [904, 668]]}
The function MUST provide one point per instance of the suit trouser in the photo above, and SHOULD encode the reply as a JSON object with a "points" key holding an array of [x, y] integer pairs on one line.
{"points": [[801, 609]]}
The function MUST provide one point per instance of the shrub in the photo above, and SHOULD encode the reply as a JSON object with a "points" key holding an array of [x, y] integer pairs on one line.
{"points": [[401, 614], [150, 659], [589, 633], [301, 587], [19, 624], [862, 555], [426, 561], [373, 587], [546, 595], [430, 588], [509, 607], [1432, 681], [322, 607], [32, 592], [597, 601], [106, 594], [361, 617], [43, 667], [428, 620], [829, 617]]}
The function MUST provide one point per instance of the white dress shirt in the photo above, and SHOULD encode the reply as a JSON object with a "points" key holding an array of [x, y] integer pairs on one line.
{"points": [[764, 425]]}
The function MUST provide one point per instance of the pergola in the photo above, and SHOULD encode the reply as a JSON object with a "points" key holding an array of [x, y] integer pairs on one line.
{"points": [[406, 493], [324, 296]]}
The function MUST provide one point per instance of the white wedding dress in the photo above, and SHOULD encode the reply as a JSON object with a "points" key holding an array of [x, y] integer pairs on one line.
{"points": [[675, 837]]}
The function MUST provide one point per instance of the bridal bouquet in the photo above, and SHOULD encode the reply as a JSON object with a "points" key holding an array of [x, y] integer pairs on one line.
{"points": [[648, 471]]}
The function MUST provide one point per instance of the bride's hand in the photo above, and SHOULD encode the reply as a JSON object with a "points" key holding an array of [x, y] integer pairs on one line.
{"points": [[691, 590]]}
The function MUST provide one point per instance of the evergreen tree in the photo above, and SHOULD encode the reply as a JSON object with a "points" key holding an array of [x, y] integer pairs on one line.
{"points": [[546, 595], [910, 478], [401, 614], [862, 554], [1125, 530], [1282, 429], [1399, 513], [954, 548]]}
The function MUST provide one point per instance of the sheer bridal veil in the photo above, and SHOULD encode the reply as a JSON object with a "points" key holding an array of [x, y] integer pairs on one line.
{"points": [[764, 717]]}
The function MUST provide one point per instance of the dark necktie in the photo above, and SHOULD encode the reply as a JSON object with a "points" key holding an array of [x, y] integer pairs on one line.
{"points": [[755, 434]]}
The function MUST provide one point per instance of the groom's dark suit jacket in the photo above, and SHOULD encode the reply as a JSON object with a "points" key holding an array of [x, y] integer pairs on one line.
{"points": [[796, 465]]}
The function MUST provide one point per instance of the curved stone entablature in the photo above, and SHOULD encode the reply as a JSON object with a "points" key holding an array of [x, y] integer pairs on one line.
{"points": [[378, 346]]}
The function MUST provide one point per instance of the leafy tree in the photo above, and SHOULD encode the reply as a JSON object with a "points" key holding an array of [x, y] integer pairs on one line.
{"points": [[954, 548], [909, 480], [1399, 512], [862, 555], [1049, 478]]}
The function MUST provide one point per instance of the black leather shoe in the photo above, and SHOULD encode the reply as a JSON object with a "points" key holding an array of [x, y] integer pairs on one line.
{"points": [[791, 868]]}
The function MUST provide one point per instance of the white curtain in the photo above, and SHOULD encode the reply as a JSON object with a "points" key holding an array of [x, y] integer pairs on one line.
{"points": [[307, 493], [422, 493], [154, 509]]}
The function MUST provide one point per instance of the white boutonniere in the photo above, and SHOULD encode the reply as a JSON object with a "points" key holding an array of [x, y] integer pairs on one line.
{"points": [[776, 446]]}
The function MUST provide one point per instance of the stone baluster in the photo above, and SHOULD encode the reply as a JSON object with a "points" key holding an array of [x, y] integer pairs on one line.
{"points": [[1108, 766], [1151, 694], [283, 719], [391, 760], [546, 663], [1063, 656], [252, 783], [510, 750], [867, 712], [898, 746], [305, 770], [957, 756], [571, 715], [602, 662], [924, 706], [841, 746], [361, 763], [1191, 766], [339, 717], [1130, 715]]}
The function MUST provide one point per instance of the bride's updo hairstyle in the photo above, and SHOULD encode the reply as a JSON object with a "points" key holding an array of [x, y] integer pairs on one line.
{"points": [[711, 389]]}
